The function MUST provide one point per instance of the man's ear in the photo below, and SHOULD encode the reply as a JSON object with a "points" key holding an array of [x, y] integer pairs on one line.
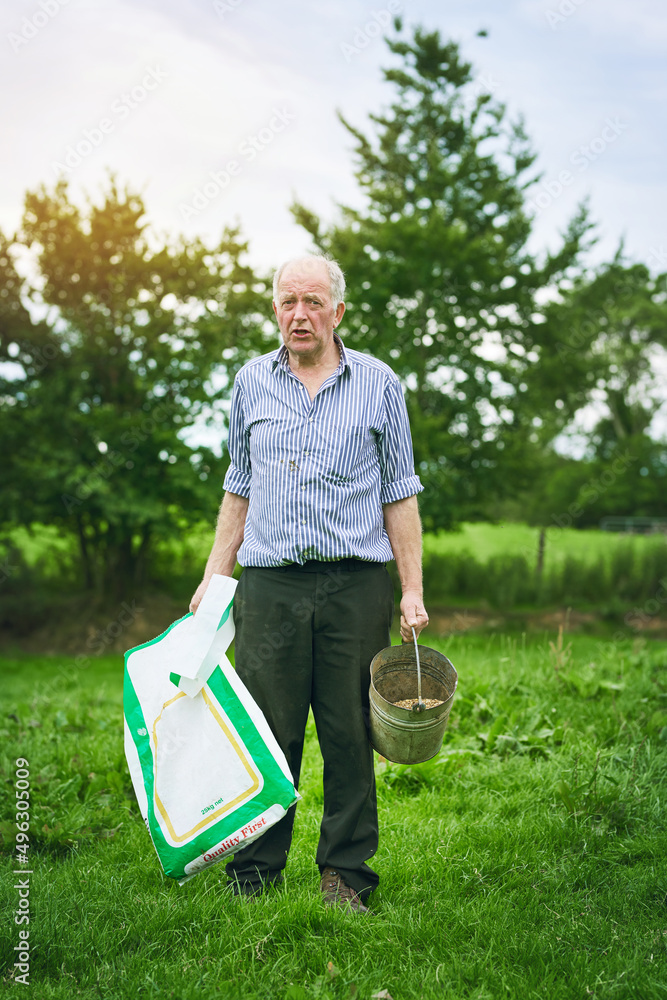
{"points": [[338, 315]]}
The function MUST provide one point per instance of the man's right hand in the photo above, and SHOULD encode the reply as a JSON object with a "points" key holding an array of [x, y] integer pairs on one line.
{"points": [[198, 594], [413, 614]]}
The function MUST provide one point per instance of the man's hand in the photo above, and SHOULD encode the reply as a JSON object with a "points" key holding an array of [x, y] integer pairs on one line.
{"points": [[413, 613], [199, 593]]}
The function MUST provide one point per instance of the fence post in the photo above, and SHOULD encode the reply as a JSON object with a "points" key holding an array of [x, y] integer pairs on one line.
{"points": [[540, 553]]}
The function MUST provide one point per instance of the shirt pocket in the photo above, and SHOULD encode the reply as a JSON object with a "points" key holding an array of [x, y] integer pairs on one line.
{"points": [[351, 447]]}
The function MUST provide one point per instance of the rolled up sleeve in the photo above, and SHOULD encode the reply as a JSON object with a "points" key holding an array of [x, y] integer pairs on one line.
{"points": [[397, 462], [238, 477]]}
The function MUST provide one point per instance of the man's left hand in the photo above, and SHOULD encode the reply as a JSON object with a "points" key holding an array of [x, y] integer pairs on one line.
{"points": [[413, 613]]}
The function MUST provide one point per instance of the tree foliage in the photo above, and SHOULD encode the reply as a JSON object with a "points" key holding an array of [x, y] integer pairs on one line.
{"points": [[115, 341], [603, 337], [119, 343], [443, 285], [604, 340]]}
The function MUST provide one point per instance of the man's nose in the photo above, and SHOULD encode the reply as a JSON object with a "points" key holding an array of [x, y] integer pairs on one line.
{"points": [[300, 311]]}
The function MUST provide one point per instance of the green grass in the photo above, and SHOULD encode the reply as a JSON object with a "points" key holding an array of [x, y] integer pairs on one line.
{"points": [[527, 860]]}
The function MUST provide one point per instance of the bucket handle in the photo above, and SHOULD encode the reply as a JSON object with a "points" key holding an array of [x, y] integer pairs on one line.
{"points": [[419, 706]]}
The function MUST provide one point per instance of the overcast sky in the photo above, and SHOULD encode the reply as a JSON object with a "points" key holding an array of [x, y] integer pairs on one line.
{"points": [[167, 92]]}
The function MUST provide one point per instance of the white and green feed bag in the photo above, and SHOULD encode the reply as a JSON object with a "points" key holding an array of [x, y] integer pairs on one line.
{"points": [[207, 772]]}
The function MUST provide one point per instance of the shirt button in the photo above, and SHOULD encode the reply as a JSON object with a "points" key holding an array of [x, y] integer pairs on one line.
{"points": [[303, 487], [303, 522], [310, 419]]}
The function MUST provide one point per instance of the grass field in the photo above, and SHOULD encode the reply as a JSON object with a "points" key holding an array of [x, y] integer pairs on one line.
{"points": [[527, 860], [594, 571], [482, 540], [482, 565], [485, 540]]}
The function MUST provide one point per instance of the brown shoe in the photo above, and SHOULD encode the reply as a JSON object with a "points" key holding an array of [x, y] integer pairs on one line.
{"points": [[338, 893]]}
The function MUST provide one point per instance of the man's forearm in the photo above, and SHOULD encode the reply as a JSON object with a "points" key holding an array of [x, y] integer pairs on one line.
{"points": [[401, 519], [228, 535]]}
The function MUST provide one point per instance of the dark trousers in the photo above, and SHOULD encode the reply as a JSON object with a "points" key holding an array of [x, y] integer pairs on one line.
{"points": [[305, 636]]}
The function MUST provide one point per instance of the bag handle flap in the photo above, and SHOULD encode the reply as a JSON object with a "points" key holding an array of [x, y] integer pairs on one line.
{"points": [[199, 647]]}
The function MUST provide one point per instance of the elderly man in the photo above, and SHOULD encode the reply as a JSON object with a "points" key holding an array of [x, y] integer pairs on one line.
{"points": [[320, 494]]}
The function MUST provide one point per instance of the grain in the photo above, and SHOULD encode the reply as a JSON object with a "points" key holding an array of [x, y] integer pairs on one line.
{"points": [[410, 702]]}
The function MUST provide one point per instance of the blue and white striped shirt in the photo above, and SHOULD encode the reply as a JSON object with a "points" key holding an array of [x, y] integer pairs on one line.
{"points": [[317, 472]]}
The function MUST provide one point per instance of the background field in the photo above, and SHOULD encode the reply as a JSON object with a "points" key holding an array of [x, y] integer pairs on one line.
{"points": [[481, 562], [526, 860], [484, 540]]}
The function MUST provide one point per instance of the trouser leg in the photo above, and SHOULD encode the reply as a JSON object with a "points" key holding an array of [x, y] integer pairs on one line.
{"points": [[351, 624], [273, 658], [305, 637]]}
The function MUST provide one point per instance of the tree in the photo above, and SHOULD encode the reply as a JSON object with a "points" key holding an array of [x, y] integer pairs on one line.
{"points": [[602, 337], [120, 342], [442, 284]]}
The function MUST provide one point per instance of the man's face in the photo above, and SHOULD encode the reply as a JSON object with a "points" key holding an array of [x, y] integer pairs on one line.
{"points": [[305, 312]]}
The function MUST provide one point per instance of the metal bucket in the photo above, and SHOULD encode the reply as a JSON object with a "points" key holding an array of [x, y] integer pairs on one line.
{"points": [[399, 734]]}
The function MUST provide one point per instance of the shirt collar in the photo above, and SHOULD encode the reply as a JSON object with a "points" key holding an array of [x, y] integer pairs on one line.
{"points": [[281, 358]]}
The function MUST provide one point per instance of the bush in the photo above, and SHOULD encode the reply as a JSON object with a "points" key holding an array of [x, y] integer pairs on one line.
{"points": [[506, 581]]}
